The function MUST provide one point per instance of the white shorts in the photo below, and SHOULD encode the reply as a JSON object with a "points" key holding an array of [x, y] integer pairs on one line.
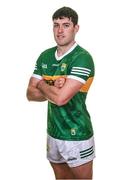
{"points": [[74, 153]]}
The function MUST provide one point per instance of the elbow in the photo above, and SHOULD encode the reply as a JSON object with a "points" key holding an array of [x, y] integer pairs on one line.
{"points": [[28, 96]]}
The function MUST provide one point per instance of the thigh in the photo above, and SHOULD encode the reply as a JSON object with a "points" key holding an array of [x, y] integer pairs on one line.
{"points": [[62, 171], [84, 171], [77, 153], [53, 154]]}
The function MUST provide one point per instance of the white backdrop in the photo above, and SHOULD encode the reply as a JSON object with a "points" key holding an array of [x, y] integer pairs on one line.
{"points": [[25, 31]]}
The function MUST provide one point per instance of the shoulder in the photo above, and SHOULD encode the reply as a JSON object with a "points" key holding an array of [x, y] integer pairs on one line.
{"points": [[46, 54], [83, 53], [82, 56], [48, 51]]}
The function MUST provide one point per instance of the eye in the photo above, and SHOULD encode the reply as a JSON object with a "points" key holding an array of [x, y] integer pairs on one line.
{"points": [[55, 25], [66, 25]]}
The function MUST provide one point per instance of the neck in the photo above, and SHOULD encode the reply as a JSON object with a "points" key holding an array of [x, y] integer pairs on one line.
{"points": [[63, 49]]}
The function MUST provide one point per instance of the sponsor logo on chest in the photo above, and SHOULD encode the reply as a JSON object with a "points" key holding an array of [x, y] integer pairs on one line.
{"points": [[55, 65]]}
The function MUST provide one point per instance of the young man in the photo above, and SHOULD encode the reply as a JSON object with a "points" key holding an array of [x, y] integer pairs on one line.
{"points": [[63, 75]]}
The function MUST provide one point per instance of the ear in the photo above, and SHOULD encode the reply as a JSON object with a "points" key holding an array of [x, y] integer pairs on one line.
{"points": [[76, 28]]}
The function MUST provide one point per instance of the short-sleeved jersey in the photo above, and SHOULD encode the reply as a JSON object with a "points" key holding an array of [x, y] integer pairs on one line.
{"points": [[72, 120]]}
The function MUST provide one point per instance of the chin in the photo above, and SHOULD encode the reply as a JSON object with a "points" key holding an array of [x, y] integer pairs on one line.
{"points": [[62, 43]]}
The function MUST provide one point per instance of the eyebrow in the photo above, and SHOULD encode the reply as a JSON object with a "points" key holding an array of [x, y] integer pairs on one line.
{"points": [[62, 23]]}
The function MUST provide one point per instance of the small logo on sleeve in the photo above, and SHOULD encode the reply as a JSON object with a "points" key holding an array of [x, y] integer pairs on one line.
{"points": [[44, 66]]}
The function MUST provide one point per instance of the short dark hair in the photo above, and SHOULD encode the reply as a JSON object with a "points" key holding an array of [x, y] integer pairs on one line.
{"points": [[66, 12]]}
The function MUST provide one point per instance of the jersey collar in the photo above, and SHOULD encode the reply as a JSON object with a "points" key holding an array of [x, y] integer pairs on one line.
{"points": [[70, 50]]}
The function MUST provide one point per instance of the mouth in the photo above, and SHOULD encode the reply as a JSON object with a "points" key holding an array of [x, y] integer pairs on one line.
{"points": [[60, 36]]}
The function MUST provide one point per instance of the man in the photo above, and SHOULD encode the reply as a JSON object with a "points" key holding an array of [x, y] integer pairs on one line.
{"points": [[63, 75]]}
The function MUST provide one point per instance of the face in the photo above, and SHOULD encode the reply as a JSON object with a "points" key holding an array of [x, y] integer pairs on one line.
{"points": [[64, 31]]}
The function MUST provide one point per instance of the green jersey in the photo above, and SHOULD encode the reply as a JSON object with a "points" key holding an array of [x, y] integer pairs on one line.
{"points": [[72, 120]]}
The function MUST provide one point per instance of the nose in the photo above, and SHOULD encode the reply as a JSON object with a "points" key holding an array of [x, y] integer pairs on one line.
{"points": [[60, 29]]}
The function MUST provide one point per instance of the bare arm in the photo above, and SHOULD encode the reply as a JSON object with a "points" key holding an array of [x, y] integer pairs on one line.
{"points": [[33, 93], [60, 96]]}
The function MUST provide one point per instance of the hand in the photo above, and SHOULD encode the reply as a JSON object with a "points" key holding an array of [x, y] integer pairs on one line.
{"points": [[59, 82], [40, 83]]}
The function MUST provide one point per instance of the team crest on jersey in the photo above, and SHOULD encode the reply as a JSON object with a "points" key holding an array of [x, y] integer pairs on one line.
{"points": [[63, 67], [44, 65], [73, 131]]}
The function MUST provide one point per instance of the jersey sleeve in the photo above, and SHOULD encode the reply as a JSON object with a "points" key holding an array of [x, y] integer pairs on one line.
{"points": [[37, 73], [82, 68]]}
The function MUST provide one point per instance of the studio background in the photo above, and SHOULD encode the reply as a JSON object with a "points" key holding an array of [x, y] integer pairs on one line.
{"points": [[25, 31]]}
